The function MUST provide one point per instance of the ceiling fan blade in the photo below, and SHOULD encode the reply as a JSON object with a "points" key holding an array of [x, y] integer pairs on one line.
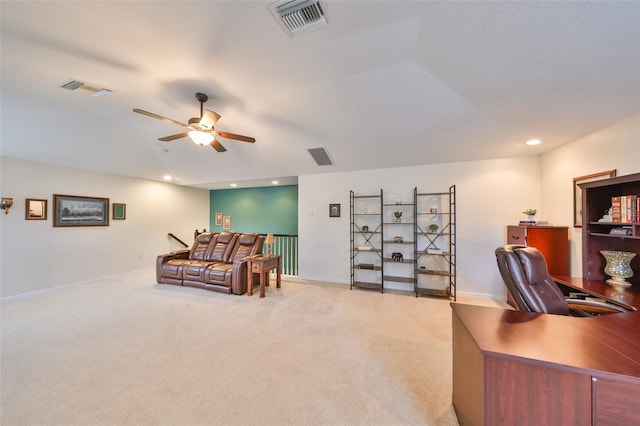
{"points": [[218, 146], [159, 117], [209, 118], [173, 137], [236, 137]]}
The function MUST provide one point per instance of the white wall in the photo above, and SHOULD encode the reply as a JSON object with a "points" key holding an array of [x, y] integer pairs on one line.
{"points": [[490, 195], [35, 256], [614, 147]]}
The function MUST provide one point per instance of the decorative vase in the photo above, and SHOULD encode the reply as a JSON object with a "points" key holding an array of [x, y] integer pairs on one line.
{"points": [[618, 267], [531, 217], [398, 220]]}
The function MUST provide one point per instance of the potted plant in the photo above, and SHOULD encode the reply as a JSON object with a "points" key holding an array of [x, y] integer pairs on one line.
{"points": [[531, 213], [398, 216], [433, 228]]}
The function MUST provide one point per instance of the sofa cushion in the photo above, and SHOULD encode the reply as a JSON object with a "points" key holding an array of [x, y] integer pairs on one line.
{"points": [[194, 270], [170, 272], [200, 245], [219, 273], [246, 246], [173, 268], [220, 249]]}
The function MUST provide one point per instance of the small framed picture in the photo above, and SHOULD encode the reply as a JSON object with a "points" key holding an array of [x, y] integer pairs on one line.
{"points": [[218, 218], [226, 222], [119, 211], [334, 210], [35, 209]]}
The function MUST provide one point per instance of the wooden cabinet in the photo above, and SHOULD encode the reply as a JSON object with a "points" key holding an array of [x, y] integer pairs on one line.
{"points": [[552, 241], [596, 234]]}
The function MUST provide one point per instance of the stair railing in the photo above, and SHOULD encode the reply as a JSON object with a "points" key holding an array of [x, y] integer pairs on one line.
{"points": [[286, 245], [170, 235]]}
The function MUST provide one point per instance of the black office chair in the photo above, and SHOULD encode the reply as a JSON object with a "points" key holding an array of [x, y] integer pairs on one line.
{"points": [[525, 274]]}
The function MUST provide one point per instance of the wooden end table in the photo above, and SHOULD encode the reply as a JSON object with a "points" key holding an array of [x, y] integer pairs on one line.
{"points": [[262, 264]]}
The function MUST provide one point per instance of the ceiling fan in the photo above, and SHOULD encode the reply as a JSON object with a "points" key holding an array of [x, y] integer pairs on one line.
{"points": [[201, 128]]}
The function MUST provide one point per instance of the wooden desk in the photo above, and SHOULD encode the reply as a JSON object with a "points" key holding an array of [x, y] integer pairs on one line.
{"points": [[526, 368], [629, 298], [262, 265]]}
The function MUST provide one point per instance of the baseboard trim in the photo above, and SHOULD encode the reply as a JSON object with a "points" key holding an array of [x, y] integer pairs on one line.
{"points": [[66, 286]]}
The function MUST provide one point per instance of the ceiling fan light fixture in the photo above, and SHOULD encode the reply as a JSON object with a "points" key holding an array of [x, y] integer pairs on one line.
{"points": [[201, 138]]}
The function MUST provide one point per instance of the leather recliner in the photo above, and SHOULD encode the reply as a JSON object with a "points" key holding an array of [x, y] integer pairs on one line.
{"points": [[525, 274]]}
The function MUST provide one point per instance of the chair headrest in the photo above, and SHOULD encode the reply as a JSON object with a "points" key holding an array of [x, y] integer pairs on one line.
{"points": [[225, 237], [205, 237], [248, 239], [533, 264]]}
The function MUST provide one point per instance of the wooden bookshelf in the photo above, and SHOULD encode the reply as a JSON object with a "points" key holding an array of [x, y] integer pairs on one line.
{"points": [[596, 236]]}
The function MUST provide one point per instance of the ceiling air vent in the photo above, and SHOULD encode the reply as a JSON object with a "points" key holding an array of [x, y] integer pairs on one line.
{"points": [[86, 88], [321, 156], [299, 16]]}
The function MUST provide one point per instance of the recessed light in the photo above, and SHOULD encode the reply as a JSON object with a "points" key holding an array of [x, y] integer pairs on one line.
{"points": [[167, 177], [234, 184], [275, 182], [534, 142]]}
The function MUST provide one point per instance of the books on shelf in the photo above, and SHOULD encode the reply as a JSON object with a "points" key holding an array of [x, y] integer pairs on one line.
{"points": [[533, 223], [625, 230], [625, 208]]}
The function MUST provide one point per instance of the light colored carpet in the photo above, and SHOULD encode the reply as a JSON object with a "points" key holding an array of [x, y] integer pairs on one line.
{"points": [[128, 351]]}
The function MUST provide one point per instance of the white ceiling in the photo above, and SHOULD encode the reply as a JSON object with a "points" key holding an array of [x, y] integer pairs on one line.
{"points": [[386, 84]]}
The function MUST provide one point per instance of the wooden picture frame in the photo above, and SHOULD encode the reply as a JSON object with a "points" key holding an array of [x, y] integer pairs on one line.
{"points": [[226, 222], [218, 218], [119, 211], [577, 192], [334, 210], [35, 209], [72, 210]]}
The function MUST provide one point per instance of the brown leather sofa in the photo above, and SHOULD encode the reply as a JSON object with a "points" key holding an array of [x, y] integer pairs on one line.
{"points": [[216, 261]]}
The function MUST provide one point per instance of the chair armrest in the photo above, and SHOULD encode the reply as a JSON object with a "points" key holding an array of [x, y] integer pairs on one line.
{"points": [[594, 307]]}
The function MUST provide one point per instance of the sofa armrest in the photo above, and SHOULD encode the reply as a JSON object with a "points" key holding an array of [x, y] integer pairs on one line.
{"points": [[164, 258], [239, 276]]}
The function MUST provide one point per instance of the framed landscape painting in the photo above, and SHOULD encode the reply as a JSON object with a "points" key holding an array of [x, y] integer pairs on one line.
{"points": [[72, 210]]}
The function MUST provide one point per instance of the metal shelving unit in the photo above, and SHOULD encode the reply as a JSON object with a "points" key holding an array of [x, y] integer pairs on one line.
{"points": [[367, 266], [435, 243], [399, 238]]}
